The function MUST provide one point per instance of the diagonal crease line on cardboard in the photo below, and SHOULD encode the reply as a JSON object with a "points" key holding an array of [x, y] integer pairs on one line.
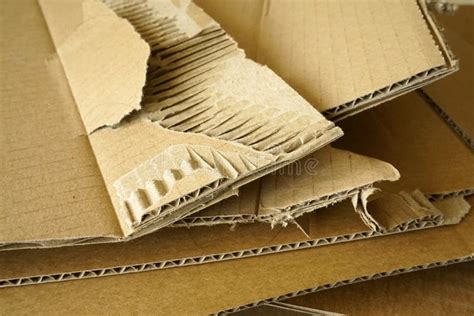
{"points": [[274, 48], [453, 211], [201, 95], [347, 282]]}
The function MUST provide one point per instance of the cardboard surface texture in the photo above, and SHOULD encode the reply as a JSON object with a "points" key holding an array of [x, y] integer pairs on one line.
{"points": [[454, 96], [140, 162], [387, 213], [208, 288], [172, 129], [318, 180], [441, 291], [342, 56]]}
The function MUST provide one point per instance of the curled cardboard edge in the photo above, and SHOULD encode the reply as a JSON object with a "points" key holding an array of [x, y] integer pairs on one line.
{"points": [[149, 266], [404, 86], [188, 209], [347, 282]]}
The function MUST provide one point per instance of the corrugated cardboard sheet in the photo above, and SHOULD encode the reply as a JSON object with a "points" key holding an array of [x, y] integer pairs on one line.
{"points": [[342, 56], [335, 224], [441, 291], [454, 95], [212, 287], [99, 165], [68, 157]]}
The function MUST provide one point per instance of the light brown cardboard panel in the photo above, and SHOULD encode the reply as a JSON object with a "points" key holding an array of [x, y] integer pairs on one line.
{"points": [[209, 118], [409, 134], [211, 287], [318, 180], [454, 95], [125, 154], [198, 245], [334, 52], [52, 187], [441, 291], [104, 59]]}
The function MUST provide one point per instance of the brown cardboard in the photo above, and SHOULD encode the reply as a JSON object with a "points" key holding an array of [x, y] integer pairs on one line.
{"points": [[424, 138], [102, 166], [446, 290], [203, 244], [205, 289], [342, 56], [316, 181], [418, 146], [453, 96], [409, 134]]}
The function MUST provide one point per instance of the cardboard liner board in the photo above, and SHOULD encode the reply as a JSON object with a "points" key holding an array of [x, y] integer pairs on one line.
{"points": [[182, 290], [452, 97], [198, 83], [318, 180], [346, 282], [208, 121], [419, 145], [285, 309], [375, 60], [332, 225], [401, 294]]}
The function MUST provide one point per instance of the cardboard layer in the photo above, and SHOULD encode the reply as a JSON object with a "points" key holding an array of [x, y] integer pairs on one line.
{"points": [[210, 288], [208, 122], [200, 245], [51, 185], [454, 95], [446, 290], [321, 179], [408, 133], [284, 309], [342, 56]]}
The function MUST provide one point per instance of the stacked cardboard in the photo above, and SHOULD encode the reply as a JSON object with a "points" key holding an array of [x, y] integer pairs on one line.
{"points": [[147, 136]]}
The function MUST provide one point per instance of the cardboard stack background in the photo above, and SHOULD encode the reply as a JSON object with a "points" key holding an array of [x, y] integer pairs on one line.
{"points": [[435, 143]]}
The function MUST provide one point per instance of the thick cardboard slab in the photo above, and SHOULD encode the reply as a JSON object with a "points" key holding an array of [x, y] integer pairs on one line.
{"points": [[158, 160], [209, 288], [446, 290], [343, 57], [285, 309]]}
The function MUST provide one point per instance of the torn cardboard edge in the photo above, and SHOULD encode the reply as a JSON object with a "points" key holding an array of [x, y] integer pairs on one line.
{"points": [[290, 310], [248, 147], [318, 180], [404, 86], [281, 218], [347, 282], [452, 217]]}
